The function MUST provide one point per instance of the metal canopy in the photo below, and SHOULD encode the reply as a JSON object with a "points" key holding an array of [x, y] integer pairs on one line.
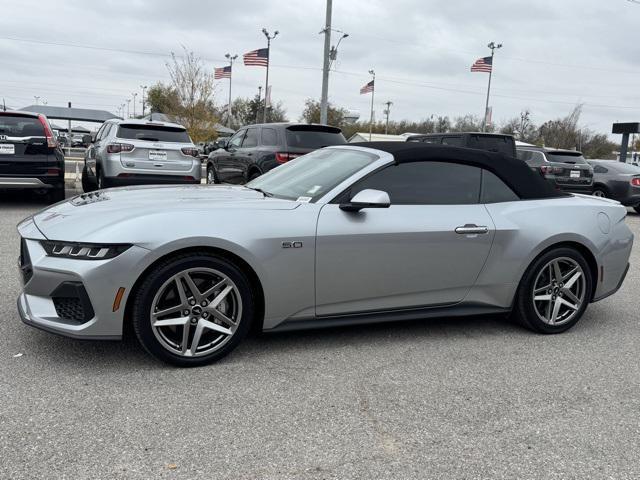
{"points": [[76, 114]]}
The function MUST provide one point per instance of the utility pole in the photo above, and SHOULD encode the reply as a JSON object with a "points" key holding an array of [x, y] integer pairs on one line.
{"points": [[258, 106], [135, 94], [266, 82], [493, 48], [231, 59], [387, 111], [373, 93], [144, 89], [324, 97]]}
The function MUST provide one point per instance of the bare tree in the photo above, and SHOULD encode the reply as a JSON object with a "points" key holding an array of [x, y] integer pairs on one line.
{"points": [[194, 88]]}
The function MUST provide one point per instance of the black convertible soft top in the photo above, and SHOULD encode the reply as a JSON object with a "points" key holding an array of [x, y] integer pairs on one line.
{"points": [[523, 181]]}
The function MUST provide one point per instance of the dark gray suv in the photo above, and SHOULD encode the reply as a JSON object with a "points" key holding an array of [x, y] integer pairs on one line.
{"points": [[256, 149], [566, 170]]}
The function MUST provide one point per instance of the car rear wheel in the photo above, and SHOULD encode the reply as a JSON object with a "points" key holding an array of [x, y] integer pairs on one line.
{"points": [[56, 195], [101, 181], [637, 208], [212, 178], [193, 309], [554, 292], [599, 192], [87, 184], [253, 175]]}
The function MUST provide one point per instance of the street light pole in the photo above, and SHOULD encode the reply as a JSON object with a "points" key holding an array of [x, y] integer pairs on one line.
{"points": [[231, 59], [144, 89], [266, 82], [387, 111], [134, 104], [373, 93], [258, 106], [324, 97], [128, 111], [493, 48]]}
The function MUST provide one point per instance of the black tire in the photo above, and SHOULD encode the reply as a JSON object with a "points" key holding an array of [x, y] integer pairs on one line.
{"points": [[145, 294], [600, 191], [637, 208], [101, 181], [87, 184], [212, 176], [56, 195], [524, 310], [253, 175]]}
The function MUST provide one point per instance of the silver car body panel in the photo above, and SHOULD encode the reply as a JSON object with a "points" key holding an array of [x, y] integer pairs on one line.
{"points": [[397, 260]]}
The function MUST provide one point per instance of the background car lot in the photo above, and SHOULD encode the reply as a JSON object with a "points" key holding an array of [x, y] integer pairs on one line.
{"points": [[455, 398]]}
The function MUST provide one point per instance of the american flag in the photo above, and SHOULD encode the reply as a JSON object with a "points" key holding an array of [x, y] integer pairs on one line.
{"points": [[258, 57], [367, 88], [222, 72], [483, 65]]}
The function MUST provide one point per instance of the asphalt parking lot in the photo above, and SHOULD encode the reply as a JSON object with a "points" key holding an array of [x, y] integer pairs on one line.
{"points": [[457, 398]]}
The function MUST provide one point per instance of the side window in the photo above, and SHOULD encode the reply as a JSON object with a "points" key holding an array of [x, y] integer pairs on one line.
{"points": [[431, 140], [236, 140], [108, 130], [426, 183], [600, 169], [453, 141], [251, 140], [101, 131], [494, 190], [269, 137]]}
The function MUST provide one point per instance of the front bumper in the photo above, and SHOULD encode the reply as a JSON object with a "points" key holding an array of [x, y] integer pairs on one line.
{"points": [[50, 280]]}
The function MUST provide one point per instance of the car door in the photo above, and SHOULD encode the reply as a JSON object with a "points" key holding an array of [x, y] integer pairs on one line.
{"points": [[426, 249], [224, 161], [245, 156], [92, 152]]}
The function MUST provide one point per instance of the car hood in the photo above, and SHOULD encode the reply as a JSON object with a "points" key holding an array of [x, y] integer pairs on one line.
{"points": [[81, 217]]}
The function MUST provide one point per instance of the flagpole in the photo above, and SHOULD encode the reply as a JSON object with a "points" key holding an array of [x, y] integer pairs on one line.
{"points": [[493, 47], [373, 93], [229, 112], [266, 82]]}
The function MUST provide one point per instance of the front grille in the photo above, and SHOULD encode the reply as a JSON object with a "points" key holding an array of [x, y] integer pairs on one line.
{"points": [[24, 262], [69, 308]]}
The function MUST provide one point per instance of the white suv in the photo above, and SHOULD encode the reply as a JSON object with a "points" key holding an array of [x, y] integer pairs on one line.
{"points": [[140, 152]]}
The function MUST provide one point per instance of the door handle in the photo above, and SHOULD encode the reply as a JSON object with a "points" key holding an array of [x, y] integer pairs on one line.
{"points": [[471, 229]]}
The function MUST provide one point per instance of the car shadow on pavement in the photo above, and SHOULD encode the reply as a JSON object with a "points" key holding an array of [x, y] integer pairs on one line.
{"points": [[268, 347]]}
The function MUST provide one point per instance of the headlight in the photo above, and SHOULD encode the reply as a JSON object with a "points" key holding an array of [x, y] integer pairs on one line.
{"points": [[83, 251]]}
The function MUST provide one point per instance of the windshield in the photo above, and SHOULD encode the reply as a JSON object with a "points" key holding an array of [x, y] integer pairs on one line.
{"points": [[309, 137], [623, 167], [565, 157], [309, 177], [20, 126], [153, 133]]}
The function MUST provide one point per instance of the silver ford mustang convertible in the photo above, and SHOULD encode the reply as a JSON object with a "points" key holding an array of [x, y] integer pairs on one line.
{"points": [[344, 235]]}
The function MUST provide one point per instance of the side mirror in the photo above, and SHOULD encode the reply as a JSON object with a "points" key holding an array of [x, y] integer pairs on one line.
{"points": [[367, 199], [87, 139]]}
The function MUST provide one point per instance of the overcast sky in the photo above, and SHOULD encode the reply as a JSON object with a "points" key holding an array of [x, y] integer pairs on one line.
{"points": [[556, 53]]}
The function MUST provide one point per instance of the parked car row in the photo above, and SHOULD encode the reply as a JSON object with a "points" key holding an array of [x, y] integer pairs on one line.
{"points": [[134, 152]]}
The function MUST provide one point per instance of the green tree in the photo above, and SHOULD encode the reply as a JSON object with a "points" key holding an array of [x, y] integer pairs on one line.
{"points": [[311, 113]]}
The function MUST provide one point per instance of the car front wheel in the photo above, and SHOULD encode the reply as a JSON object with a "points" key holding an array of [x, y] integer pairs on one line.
{"points": [[599, 192], [554, 292], [193, 309]]}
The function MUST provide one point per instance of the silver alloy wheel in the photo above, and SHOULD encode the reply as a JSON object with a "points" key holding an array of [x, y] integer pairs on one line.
{"points": [[599, 193], [559, 291], [196, 312], [211, 179]]}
